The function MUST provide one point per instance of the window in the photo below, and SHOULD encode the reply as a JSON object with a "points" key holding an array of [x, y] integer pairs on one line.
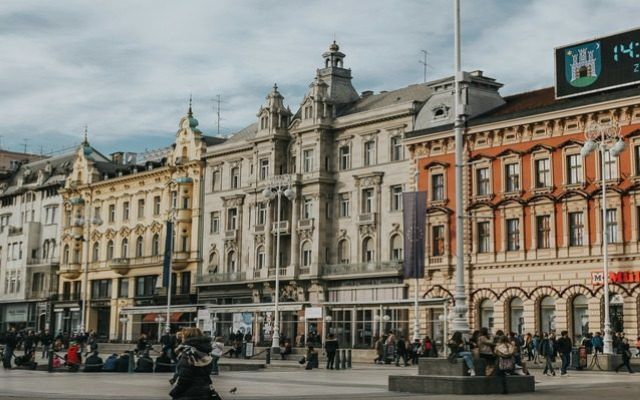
{"points": [[512, 177], [396, 248], [185, 282], [345, 157], [397, 152], [264, 168], [543, 231], [174, 200], [110, 250], [369, 152], [260, 258], [612, 225], [156, 205], [101, 289], [123, 287], [343, 252], [112, 213], [576, 228], [231, 262], [513, 234], [235, 178], [367, 201], [306, 254], [139, 246], [437, 187], [307, 208], [482, 182], [344, 205], [307, 160], [37, 282], [125, 211], [96, 252], [124, 251], [184, 242], [437, 239], [140, 208], [215, 181], [543, 173], [368, 254], [214, 226], [232, 216], [610, 167], [261, 214], [145, 285], [484, 237], [636, 152], [574, 169], [155, 245], [396, 198]]}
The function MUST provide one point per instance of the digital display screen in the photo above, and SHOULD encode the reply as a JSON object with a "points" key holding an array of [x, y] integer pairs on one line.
{"points": [[598, 64]]}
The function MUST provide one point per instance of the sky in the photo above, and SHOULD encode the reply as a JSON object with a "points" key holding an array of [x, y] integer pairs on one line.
{"points": [[126, 68]]}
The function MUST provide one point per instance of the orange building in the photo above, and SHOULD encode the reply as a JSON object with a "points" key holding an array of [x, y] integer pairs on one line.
{"points": [[534, 205]]}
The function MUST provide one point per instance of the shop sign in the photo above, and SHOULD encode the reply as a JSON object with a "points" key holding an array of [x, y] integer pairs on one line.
{"points": [[204, 314], [313, 313], [597, 278]]}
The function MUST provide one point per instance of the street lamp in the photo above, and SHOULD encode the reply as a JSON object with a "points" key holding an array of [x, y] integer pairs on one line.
{"points": [[80, 222], [159, 320], [123, 320], [606, 138], [278, 186]]}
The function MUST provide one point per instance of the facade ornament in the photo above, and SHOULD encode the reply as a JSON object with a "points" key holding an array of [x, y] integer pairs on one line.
{"points": [[156, 227]]}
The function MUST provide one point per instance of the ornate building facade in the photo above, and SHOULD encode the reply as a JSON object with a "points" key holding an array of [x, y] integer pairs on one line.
{"points": [[534, 258]]}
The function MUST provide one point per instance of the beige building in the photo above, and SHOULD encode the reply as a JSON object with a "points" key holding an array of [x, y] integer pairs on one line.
{"points": [[113, 241]]}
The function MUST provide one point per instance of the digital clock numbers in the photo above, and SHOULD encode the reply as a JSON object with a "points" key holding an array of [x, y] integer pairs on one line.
{"points": [[632, 50]]}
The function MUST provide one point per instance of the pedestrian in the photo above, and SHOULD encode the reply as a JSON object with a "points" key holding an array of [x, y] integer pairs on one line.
{"points": [[598, 343], [92, 343], [459, 349], [428, 348], [286, 349], [564, 349], [46, 339], [216, 353], [535, 345], [638, 347], [547, 350], [505, 352], [168, 342], [416, 351], [625, 351], [10, 343], [379, 346], [402, 351], [331, 347], [29, 342], [142, 343], [473, 345], [390, 348], [311, 358], [193, 381], [485, 350], [528, 344]]}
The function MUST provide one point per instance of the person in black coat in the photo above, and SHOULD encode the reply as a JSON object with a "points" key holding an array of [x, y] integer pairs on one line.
{"points": [[10, 343], [625, 351], [144, 364], [194, 367], [93, 363], [401, 352], [122, 363], [564, 349], [331, 347]]}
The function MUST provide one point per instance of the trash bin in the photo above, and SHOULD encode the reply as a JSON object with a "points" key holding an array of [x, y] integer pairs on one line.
{"points": [[579, 358]]}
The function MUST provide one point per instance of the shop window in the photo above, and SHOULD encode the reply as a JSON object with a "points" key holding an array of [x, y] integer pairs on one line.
{"points": [[486, 314], [516, 315], [580, 315], [547, 313]]}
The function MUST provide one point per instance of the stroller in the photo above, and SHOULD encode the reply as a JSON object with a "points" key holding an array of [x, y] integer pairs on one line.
{"points": [[73, 358], [26, 361]]}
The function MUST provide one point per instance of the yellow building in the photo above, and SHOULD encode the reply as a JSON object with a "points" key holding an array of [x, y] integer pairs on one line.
{"points": [[114, 232]]}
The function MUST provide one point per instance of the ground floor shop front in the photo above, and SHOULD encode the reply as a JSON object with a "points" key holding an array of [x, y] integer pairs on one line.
{"points": [[23, 315]]}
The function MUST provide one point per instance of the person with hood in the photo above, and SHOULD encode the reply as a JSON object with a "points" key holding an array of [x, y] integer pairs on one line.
{"points": [[145, 363], [547, 350], [331, 347], [216, 353], [626, 355], [110, 363], [505, 350], [194, 367], [93, 363], [10, 343]]}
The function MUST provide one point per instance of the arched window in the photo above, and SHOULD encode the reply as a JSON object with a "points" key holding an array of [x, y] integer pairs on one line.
{"points": [[76, 255], [516, 312], [396, 248], [214, 262], [155, 245], [486, 314], [260, 258], [139, 246], [344, 253], [65, 255], [306, 254], [231, 262], [368, 253], [110, 250], [580, 315], [124, 250], [95, 252], [547, 314]]}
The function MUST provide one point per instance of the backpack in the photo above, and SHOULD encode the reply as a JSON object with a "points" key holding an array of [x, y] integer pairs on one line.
{"points": [[110, 363]]}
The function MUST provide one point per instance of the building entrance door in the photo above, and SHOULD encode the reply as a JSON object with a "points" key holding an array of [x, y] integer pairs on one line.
{"points": [[104, 317]]}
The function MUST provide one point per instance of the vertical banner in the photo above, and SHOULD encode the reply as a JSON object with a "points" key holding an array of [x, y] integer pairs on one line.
{"points": [[166, 264], [414, 210]]}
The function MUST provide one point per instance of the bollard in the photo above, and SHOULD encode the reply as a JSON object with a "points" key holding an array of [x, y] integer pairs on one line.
{"points": [[344, 359], [349, 358], [268, 356], [336, 360], [131, 362]]}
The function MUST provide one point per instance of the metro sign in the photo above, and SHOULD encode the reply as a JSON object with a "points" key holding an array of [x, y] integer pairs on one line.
{"points": [[597, 278]]}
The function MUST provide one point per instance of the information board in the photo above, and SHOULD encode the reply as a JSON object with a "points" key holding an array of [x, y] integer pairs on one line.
{"points": [[598, 64]]}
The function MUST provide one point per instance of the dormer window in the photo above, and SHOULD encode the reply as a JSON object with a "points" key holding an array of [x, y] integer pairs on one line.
{"points": [[440, 112]]}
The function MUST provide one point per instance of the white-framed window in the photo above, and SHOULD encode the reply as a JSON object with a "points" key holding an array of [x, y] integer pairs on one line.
{"points": [[368, 250], [125, 211], [112, 213], [214, 226], [612, 225], [235, 178], [232, 218], [306, 254], [574, 169], [307, 160], [264, 168], [345, 157], [513, 234], [610, 166], [155, 245], [260, 258], [140, 208], [396, 198], [344, 205], [367, 201], [396, 248], [261, 214], [397, 150], [231, 262], [139, 246], [543, 231], [344, 254], [484, 237], [307, 208], [216, 182], [110, 250], [437, 187], [543, 172], [369, 152], [437, 240], [483, 187], [512, 177], [124, 250], [576, 228], [156, 205]]}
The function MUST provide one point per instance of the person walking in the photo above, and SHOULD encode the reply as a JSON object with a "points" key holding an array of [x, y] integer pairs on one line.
{"points": [[505, 350], [379, 346], [30, 342], [331, 347], [638, 347], [416, 351], [401, 352], [547, 350], [46, 339], [216, 353], [193, 381], [459, 349], [564, 348], [535, 345], [625, 351], [10, 343], [142, 343], [598, 343], [485, 350]]}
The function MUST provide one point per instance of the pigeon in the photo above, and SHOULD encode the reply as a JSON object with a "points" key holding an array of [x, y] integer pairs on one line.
{"points": [[233, 390]]}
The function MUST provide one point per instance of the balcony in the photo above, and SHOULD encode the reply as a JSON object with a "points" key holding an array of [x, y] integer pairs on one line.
{"points": [[229, 277], [43, 261], [282, 227], [305, 223], [71, 271], [367, 219], [66, 297], [15, 230], [258, 228], [230, 234], [282, 271], [180, 260], [146, 261], [120, 265], [340, 271], [184, 214]]}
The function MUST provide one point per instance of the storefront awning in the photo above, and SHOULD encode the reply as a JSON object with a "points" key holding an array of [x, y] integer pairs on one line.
{"points": [[151, 317]]}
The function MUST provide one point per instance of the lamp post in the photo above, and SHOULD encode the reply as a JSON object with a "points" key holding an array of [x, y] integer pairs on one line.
{"points": [[159, 320], [606, 138], [279, 185], [86, 222], [123, 320]]}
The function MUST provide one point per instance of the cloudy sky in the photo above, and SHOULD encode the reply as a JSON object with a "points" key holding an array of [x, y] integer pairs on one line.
{"points": [[126, 67]]}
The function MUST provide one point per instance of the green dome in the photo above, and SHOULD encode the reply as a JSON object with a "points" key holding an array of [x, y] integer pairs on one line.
{"points": [[193, 122]]}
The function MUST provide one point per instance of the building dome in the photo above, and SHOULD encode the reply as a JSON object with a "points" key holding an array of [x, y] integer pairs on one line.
{"points": [[334, 46]]}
